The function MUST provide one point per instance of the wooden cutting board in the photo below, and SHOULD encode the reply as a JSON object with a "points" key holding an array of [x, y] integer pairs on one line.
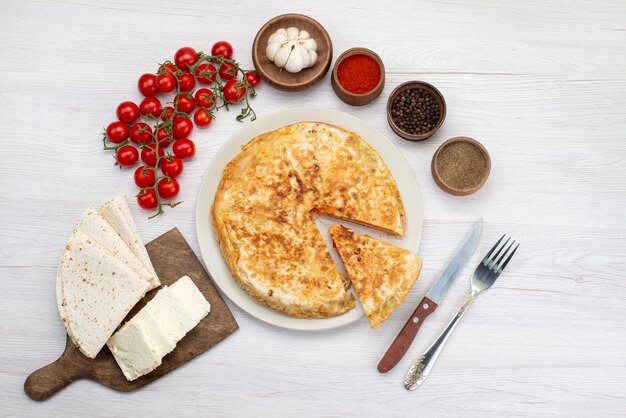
{"points": [[172, 258]]}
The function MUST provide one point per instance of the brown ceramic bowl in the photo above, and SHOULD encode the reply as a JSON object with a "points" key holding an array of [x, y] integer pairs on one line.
{"points": [[444, 183], [353, 98], [433, 92], [279, 77]]}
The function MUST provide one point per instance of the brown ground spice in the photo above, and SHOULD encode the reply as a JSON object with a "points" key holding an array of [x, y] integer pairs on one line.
{"points": [[461, 165]]}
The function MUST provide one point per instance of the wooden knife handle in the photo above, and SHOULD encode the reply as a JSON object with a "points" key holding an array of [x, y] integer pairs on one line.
{"points": [[406, 336]]}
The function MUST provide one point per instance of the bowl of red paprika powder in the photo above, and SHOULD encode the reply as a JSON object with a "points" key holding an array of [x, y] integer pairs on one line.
{"points": [[358, 76]]}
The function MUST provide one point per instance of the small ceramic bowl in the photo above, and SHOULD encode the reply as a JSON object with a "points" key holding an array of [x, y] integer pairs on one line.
{"points": [[432, 90], [461, 165], [279, 77], [355, 99]]}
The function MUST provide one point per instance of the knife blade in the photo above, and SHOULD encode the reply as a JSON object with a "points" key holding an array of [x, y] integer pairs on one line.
{"points": [[431, 301]]}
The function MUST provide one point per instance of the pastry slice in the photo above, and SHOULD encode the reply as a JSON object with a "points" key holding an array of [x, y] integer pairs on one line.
{"points": [[381, 273]]}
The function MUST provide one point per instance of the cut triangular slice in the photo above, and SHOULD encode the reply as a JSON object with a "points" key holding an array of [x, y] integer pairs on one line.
{"points": [[382, 274], [117, 213], [93, 224], [95, 291]]}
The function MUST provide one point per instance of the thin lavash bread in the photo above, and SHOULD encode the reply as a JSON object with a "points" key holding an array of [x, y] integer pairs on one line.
{"points": [[117, 213], [93, 224], [95, 292]]}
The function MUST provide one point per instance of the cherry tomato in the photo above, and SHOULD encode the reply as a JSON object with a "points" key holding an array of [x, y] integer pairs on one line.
{"points": [[144, 177], [186, 82], [252, 78], [172, 166], [227, 71], [117, 132], [150, 106], [127, 112], [184, 148], [127, 155], [202, 117], [163, 68], [206, 73], [222, 48], [184, 102], [147, 199], [168, 188], [148, 155], [234, 91], [141, 133], [204, 98], [185, 57], [166, 82], [147, 85], [168, 112], [164, 136], [182, 127]]}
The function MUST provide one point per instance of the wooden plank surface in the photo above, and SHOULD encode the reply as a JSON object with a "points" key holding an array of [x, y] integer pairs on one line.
{"points": [[540, 83]]}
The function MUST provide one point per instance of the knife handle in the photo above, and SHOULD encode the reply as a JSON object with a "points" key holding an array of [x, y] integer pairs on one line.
{"points": [[403, 341]]}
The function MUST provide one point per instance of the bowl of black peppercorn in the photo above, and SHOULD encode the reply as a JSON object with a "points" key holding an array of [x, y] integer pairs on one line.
{"points": [[415, 110]]}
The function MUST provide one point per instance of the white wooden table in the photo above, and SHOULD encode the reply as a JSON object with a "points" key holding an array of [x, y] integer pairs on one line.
{"points": [[541, 84]]}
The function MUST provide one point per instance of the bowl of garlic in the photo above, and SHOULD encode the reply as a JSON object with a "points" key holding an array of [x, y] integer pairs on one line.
{"points": [[292, 52]]}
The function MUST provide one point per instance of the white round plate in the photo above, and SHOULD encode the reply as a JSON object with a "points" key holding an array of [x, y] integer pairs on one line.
{"points": [[209, 247]]}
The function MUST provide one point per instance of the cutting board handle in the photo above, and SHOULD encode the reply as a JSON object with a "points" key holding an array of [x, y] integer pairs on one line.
{"points": [[45, 382]]}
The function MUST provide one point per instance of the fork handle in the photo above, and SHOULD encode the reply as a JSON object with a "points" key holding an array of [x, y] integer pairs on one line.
{"points": [[421, 367], [403, 341]]}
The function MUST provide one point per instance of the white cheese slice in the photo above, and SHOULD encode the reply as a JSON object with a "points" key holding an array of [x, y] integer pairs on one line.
{"points": [[175, 320], [186, 291]]}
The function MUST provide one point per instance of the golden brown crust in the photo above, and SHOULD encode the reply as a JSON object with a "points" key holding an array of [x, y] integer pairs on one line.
{"points": [[263, 212], [382, 274]]}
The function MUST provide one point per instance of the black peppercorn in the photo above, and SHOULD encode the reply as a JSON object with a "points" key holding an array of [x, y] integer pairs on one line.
{"points": [[415, 111]]}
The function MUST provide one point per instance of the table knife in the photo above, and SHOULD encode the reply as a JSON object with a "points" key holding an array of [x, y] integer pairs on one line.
{"points": [[431, 301]]}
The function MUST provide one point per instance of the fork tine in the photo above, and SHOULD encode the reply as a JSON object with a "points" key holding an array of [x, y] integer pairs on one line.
{"points": [[491, 250], [497, 264], [501, 269], [492, 261]]}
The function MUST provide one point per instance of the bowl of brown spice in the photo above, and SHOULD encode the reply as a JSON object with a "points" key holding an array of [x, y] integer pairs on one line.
{"points": [[415, 110], [461, 166]]}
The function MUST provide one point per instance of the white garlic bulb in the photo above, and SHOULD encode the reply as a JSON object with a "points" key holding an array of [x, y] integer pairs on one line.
{"points": [[292, 49]]}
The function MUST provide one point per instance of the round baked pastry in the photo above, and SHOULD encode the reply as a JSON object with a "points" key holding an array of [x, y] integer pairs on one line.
{"points": [[264, 209]]}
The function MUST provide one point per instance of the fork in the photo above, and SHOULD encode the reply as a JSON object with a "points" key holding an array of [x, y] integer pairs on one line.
{"points": [[483, 278]]}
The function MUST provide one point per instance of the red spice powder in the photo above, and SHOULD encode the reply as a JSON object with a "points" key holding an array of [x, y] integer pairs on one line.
{"points": [[358, 74]]}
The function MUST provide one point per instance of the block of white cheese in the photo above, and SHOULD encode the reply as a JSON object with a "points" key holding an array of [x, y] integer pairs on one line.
{"points": [[140, 345]]}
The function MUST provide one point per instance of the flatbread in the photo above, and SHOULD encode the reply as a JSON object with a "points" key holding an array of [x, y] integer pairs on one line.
{"points": [[264, 209], [95, 291], [93, 224], [117, 213], [381, 273]]}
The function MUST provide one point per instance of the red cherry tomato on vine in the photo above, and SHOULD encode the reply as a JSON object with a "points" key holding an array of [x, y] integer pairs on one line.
{"points": [[164, 136], [184, 102], [222, 48], [166, 82], [172, 166], [182, 127], [186, 82], [127, 112], [185, 57], [168, 112], [144, 177], [234, 91], [141, 133], [163, 68], [148, 85], [184, 148], [168, 188], [204, 98], [117, 132], [252, 78], [150, 106], [227, 71], [148, 155], [127, 155], [202, 117], [147, 199], [206, 73]]}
